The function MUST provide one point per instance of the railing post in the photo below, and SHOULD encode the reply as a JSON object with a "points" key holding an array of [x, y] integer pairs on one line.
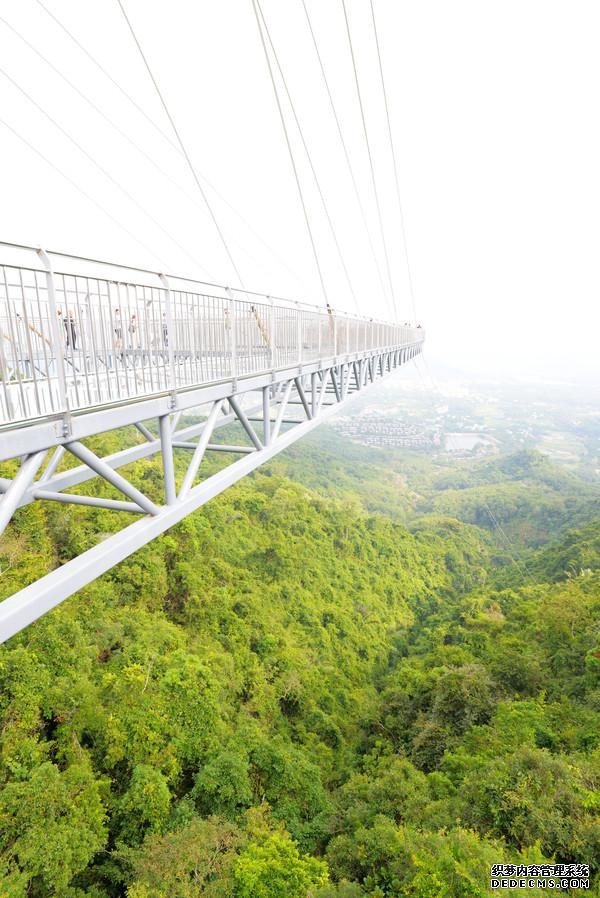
{"points": [[319, 326], [170, 337], [5, 378], [232, 337], [334, 335], [56, 339], [347, 335], [272, 329], [299, 333]]}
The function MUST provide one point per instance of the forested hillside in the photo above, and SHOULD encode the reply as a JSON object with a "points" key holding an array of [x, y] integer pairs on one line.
{"points": [[532, 498], [317, 689]]}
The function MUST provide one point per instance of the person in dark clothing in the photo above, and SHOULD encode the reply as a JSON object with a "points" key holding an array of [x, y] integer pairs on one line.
{"points": [[118, 327], [70, 328]]}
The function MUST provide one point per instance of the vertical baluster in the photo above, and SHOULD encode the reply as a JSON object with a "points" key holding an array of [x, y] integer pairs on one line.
{"points": [[56, 340]]}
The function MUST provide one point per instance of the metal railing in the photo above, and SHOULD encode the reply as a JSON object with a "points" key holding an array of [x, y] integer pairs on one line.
{"points": [[77, 334]]}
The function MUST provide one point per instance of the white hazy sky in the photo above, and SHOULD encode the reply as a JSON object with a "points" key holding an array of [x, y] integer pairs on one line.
{"points": [[494, 109]]}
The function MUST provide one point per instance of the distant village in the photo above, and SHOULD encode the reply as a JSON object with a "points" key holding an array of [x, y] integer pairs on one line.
{"points": [[380, 430], [473, 420]]}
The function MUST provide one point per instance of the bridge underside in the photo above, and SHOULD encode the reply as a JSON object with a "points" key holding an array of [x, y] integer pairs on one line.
{"points": [[271, 411]]}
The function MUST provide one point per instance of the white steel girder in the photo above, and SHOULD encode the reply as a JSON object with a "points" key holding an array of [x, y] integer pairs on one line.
{"points": [[316, 392]]}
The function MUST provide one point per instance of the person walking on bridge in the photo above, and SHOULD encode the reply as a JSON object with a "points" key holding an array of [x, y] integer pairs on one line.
{"points": [[263, 329], [134, 340], [330, 317], [70, 328], [118, 329]]}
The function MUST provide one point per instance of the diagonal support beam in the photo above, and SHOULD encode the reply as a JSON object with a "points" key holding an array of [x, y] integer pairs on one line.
{"points": [[336, 388], [113, 477], [302, 396], [313, 393], [93, 501], [53, 464], [281, 412], [21, 481], [345, 380], [216, 447], [145, 432], [198, 455], [322, 392], [239, 411], [224, 447], [285, 421]]}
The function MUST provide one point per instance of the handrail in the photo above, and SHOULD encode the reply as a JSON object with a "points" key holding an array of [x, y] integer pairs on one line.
{"points": [[184, 278], [75, 336]]}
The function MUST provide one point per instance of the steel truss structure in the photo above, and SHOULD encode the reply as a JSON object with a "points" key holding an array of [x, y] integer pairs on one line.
{"points": [[272, 407]]}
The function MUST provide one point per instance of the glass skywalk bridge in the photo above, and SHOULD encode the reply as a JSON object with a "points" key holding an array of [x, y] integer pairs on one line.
{"points": [[88, 346]]}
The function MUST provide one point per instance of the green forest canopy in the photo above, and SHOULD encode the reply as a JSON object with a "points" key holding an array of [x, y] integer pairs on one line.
{"points": [[291, 694]]}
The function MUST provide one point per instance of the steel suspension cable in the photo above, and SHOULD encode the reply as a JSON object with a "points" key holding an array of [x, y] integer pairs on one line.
{"points": [[182, 146], [81, 190], [346, 153], [104, 171], [310, 161], [370, 156], [97, 109], [396, 178], [183, 190], [290, 151], [107, 74], [90, 102]]}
